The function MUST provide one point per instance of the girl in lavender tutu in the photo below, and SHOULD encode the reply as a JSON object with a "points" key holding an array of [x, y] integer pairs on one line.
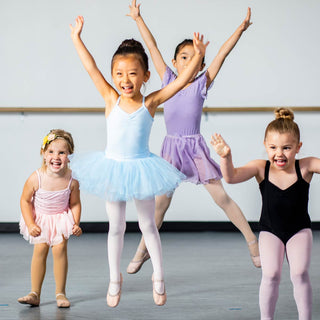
{"points": [[184, 146], [51, 208]]}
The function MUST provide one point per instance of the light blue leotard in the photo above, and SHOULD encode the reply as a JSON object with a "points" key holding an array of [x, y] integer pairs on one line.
{"points": [[127, 169]]}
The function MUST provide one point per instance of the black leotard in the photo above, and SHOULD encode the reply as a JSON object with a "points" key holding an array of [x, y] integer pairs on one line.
{"points": [[284, 212]]}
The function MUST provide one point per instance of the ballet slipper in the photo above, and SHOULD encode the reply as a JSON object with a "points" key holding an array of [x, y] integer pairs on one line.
{"points": [[255, 259], [135, 266], [31, 298], [158, 298], [113, 300], [62, 301]]}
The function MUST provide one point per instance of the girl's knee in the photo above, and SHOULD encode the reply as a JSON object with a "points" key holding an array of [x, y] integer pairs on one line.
{"points": [[148, 226], [298, 277], [271, 277], [117, 229]]}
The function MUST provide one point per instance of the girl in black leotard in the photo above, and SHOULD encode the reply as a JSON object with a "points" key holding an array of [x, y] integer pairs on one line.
{"points": [[285, 222]]}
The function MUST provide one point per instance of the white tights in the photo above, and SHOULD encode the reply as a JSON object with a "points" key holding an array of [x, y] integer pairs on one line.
{"points": [[298, 252], [117, 225]]}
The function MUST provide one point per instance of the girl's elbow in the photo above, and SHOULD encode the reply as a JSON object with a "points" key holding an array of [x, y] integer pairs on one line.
{"points": [[228, 179]]}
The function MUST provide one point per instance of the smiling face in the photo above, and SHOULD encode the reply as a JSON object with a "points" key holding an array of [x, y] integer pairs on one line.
{"points": [[282, 149], [183, 58], [128, 75], [56, 156]]}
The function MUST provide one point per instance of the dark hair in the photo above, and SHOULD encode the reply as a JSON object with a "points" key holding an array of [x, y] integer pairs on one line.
{"points": [[132, 46], [181, 45], [283, 123]]}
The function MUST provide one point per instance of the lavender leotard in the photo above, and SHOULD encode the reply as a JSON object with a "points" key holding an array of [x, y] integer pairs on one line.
{"points": [[184, 147]]}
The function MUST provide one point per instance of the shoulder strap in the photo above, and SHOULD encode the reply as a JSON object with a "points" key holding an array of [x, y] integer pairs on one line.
{"points": [[38, 174], [70, 182], [266, 170], [298, 169]]}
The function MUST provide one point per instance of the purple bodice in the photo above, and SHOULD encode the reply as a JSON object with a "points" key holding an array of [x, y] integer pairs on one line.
{"points": [[182, 112]]}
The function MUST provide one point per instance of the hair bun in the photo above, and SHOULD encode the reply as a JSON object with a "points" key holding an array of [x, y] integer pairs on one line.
{"points": [[284, 113], [131, 43]]}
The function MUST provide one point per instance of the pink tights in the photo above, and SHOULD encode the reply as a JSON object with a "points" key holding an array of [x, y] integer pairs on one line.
{"points": [[298, 252]]}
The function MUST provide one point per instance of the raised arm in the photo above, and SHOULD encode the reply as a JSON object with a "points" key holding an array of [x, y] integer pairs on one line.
{"points": [[226, 48], [158, 97], [26, 205], [148, 39], [229, 172], [107, 92]]}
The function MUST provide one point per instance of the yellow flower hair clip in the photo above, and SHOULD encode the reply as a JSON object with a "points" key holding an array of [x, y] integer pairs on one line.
{"points": [[47, 139]]}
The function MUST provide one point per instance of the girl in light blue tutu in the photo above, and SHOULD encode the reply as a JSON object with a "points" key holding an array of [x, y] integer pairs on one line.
{"points": [[127, 170]]}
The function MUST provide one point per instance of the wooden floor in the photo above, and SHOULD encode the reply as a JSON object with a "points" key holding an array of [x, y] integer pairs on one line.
{"points": [[209, 275]]}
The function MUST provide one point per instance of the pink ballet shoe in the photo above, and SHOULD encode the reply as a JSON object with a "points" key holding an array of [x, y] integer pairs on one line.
{"points": [[113, 300], [255, 259], [135, 266], [31, 298], [159, 298], [62, 301]]}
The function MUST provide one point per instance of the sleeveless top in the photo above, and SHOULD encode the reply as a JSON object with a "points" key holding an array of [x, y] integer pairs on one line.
{"points": [[51, 202], [182, 112], [284, 212], [128, 133]]}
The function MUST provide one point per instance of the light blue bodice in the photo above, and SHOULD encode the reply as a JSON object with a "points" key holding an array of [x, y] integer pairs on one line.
{"points": [[128, 133]]}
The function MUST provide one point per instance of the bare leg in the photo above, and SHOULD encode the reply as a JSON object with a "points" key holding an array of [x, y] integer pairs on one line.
{"points": [[60, 271], [38, 266], [38, 271], [141, 255], [235, 215]]}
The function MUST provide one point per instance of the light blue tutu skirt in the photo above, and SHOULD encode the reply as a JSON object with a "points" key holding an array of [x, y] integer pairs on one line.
{"points": [[123, 180]]}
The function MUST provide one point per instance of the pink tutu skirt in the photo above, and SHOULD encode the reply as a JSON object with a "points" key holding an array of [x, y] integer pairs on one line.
{"points": [[54, 228], [191, 156]]}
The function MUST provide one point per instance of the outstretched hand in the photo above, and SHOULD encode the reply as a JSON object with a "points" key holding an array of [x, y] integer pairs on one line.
{"points": [[76, 30], [134, 10], [198, 44], [220, 146], [246, 22]]}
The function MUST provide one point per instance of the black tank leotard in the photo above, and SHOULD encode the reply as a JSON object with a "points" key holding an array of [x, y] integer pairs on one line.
{"points": [[284, 212]]}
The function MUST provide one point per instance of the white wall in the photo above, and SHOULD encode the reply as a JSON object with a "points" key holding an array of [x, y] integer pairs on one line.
{"points": [[275, 63]]}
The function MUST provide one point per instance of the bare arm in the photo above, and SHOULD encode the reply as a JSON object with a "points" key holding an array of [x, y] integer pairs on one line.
{"points": [[148, 39], [308, 167], [106, 90], [75, 207], [226, 48], [229, 172], [26, 205], [158, 97]]}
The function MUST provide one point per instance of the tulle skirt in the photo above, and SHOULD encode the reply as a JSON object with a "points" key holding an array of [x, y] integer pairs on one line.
{"points": [[190, 155], [123, 180], [54, 228]]}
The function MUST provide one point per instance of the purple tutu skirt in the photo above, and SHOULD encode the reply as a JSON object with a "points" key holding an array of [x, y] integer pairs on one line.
{"points": [[191, 156]]}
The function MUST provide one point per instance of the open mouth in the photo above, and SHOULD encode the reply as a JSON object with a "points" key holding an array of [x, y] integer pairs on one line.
{"points": [[55, 164], [127, 89], [280, 162]]}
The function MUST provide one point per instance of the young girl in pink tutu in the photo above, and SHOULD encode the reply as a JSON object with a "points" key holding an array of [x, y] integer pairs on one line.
{"points": [[184, 147], [285, 226], [51, 208]]}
